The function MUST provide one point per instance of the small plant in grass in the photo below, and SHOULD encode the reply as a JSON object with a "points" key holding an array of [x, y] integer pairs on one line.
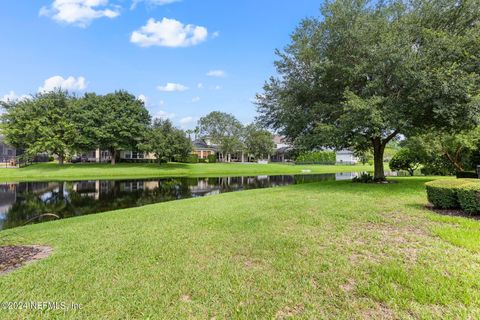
{"points": [[365, 177]]}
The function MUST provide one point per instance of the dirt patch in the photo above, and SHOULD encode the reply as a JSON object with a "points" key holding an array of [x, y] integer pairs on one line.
{"points": [[13, 257], [289, 312], [451, 212]]}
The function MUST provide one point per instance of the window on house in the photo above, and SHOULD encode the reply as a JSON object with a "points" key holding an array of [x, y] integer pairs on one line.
{"points": [[137, 155]]}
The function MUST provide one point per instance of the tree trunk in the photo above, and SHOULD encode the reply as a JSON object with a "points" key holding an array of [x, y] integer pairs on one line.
{"points": [[61, 159], [113, 155], [378, 150]]}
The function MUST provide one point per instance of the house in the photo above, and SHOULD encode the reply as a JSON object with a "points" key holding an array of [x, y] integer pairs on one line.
{"points": [[204, 148], [346, 157], [283, 150], [7, 152], [99, 155]]}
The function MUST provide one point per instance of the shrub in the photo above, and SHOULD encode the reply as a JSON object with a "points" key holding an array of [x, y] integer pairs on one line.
{"points": [[323, 157], [405, 159], [202, 160], [212, 158], [467, 174], [192, 158], [364, 178], [469, 198], [455, 194]]}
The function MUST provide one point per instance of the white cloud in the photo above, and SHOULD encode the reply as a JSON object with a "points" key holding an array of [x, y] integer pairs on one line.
{"points": [[152, 2], [164, 115], [216, 34], [218, 87], [171, 87], [200, 85], [195, 99], [12, 96], [79, 12], [217, 73], [168, 33], [143, 98], [58, 82], [186, 121]]}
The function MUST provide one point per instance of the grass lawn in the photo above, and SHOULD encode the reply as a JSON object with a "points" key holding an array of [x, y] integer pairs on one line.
{"points": [[331, 250], [53, 171]]}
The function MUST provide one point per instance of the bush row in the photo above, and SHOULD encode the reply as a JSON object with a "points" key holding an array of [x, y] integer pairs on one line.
{"points": [[455, 194], [324, 157]]}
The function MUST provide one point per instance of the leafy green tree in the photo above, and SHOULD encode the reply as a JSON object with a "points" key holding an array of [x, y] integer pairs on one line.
{"points": [[456, 150], [368, 71], [42, 123], [258, 141], [117, 121], [405, 159], [222, 129], [166, 142]]}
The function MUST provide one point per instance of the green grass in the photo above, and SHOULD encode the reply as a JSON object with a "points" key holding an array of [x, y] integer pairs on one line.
{"points": [[331, 250], [53, 171]]}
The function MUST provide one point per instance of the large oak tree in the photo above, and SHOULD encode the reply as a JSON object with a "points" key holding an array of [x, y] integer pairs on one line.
{"points": [[367, 71]]}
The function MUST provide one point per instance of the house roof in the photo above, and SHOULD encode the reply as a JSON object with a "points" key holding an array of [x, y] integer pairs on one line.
{"points": [[201, 144]]}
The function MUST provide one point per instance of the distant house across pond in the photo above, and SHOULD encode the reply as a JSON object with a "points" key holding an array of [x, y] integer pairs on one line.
{"points": [[346, 157], [7, 152], [283, 150]]}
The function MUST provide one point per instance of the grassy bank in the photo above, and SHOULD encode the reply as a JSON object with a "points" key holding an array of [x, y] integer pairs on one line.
{"points": [[53, 171], [332, 250]]}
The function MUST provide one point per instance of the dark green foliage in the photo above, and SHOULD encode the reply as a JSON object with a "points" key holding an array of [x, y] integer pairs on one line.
{"points": [[365, 177], [222, 129], [405, 159], [367, 71], [469, 198], [320, 157], [192, 158], [467, 175], [166, 142], [42, 123], [212, 158], [455, 194], [258, 141]]}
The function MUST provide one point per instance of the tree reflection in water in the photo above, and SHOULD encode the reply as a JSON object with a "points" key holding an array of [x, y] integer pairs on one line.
{"points": [[21, 202]]}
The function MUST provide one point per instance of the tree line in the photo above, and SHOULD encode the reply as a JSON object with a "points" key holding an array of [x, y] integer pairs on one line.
{"points": [[62, 124]]}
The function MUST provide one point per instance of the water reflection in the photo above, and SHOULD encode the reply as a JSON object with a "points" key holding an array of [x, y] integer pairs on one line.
{"points": [[21, 202]]}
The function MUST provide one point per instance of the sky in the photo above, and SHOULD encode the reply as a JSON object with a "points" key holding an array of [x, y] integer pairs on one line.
{"points": [[184, 58]]}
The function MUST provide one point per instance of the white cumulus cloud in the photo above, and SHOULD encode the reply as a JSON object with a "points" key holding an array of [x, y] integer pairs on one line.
{"points": [[164, 115], [195, 99], [186, 121], [217, 73], [168, 33], [172, 87], [58, 82], [79, 12], [12, 96], [152, 2], [200, 85]]}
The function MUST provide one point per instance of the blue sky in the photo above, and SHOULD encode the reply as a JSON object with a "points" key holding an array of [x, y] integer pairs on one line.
{"points": [[186, 58]]}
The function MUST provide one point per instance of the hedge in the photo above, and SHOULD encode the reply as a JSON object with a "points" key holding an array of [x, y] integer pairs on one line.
{"points": [[323, 157], [455, 194]]}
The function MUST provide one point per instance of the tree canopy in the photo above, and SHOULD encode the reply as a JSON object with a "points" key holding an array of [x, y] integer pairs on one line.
{"points": [[222, 129], [367, 71], [167, 142]]}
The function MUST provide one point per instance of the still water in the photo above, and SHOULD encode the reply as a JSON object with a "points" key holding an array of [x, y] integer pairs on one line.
{"points": [[25, 202]]}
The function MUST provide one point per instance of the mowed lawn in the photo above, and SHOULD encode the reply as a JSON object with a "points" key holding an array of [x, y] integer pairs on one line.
{"points": [[331, 250], [53, 171]]}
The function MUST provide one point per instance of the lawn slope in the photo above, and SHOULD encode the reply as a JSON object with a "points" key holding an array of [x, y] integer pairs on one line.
{"points": [[332, 250]]}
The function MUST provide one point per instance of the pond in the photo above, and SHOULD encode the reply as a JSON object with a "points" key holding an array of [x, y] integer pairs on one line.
{"points": [[27, 202]]}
